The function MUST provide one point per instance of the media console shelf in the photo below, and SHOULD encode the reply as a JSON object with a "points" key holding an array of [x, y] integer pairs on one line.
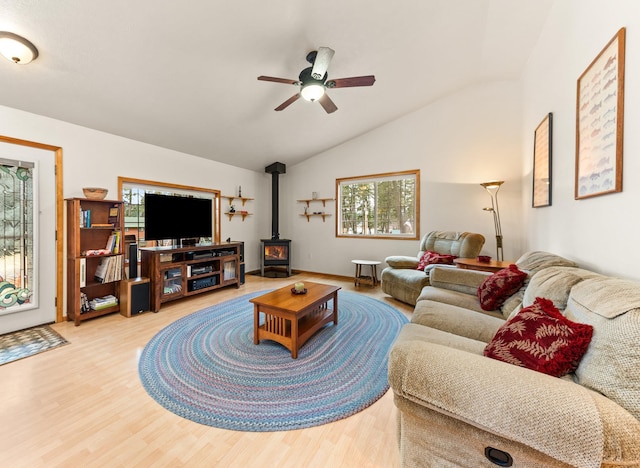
{"points": [[185, 271]]}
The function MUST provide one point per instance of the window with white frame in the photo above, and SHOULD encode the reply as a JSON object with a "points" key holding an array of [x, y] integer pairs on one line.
{"points": [[379, 206]]}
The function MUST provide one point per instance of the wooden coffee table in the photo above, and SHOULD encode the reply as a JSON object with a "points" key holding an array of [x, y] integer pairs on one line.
{"points": [[291, 319]]}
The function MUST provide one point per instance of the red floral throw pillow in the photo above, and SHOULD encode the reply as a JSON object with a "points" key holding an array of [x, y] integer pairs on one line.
{"points": [[432, 258], [540, 338], [498, 287]]}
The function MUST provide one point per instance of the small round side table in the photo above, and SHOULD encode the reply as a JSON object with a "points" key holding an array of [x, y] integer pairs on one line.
{"points": [[360, 278]]}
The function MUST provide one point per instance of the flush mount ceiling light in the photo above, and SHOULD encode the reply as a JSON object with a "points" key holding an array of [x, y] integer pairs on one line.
{"points": [[16, 48]]}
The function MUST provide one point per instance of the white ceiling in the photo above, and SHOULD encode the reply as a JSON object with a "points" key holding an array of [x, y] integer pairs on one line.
{"points": [[182, 75]]}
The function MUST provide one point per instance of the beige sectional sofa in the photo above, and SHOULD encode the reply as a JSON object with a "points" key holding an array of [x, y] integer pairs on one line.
{"points": [[460, 408]]}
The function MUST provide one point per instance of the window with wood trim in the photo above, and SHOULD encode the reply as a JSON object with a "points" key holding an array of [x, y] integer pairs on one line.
{"points": [[379, 206], [133, 191]]}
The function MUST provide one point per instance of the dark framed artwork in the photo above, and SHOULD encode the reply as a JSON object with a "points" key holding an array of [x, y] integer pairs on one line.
{"points": [[600, 122], [542, 162]]}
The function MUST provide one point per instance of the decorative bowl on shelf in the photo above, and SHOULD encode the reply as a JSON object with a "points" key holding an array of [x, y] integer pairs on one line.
{"points": [[95, 193], [484, 258], [295, 291]]}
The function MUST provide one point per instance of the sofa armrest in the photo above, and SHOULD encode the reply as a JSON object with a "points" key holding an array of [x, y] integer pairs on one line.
{"points": [[554, 416], [402, 261], [457, 279]]}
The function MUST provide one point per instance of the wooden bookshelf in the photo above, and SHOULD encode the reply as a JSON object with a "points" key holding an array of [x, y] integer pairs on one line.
{"points": [[87, 241]]}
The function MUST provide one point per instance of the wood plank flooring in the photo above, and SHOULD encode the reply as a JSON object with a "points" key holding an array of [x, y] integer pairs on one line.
{"points": [[82, 405]]}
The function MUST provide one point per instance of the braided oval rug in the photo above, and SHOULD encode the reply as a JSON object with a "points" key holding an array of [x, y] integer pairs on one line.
{"points": [[205, 367]]}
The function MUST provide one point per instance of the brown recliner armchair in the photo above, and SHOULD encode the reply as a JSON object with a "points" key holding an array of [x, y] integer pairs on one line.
{"points": [[401, 279]]}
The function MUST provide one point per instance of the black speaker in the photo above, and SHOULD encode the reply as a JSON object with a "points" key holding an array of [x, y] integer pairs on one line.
{"points": [[134, 296], [133, 261], [242, 273], [240, 249]]}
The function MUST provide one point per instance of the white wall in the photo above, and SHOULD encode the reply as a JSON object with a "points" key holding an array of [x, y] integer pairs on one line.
{"points": [[457, 142], [92, 158], [601, 232]]}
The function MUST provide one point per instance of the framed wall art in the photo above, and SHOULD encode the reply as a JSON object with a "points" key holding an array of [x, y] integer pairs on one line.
{"points": [[599, 122], [542, 163]]}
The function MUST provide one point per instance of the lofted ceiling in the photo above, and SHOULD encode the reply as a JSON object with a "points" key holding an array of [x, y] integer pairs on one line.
{"points": [[183, 75]]}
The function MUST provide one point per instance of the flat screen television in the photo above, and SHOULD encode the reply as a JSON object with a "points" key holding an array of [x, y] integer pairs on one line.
{"points": [[175, 217]]}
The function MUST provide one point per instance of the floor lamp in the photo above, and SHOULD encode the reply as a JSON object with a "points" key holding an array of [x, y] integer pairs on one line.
{"points": [[492, 188]]}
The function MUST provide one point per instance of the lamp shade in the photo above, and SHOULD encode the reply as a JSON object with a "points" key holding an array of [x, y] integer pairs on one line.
{"points": [[16, 48], [493, 186], [312, 92]]}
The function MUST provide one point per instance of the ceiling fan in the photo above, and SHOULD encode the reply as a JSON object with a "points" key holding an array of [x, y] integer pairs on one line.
{"points": [[313, 81]]}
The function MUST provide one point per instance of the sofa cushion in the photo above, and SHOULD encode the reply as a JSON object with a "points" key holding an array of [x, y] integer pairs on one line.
{"points": [[401, 261], [405, 284], [455, 298], [415, 332], [555, 283], [611, 363], [540, 338], [434, 258], [454, 319], [535, 261], [456, 279], [498, 287], [462, 244]]}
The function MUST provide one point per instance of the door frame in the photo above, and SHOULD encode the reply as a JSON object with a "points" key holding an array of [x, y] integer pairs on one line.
{"points": [[57, 154]]}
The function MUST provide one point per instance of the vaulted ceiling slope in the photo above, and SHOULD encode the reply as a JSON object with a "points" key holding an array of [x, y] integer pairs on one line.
{"points": [[183, 75]]}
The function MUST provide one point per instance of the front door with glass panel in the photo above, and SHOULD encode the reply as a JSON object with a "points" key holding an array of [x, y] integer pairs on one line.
{"points": [[27, 237]]}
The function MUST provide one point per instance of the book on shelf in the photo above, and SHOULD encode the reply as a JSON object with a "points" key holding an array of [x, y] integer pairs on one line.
{"points": [[95, 252], [116, 244], [99, 303], [109, 269], [84, 303], [85, 218], [113, 242], [83, 272], [114, 214]]}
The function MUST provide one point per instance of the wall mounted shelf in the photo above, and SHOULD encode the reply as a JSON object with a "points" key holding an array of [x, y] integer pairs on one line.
{"points": [[242, 213], [323, 200], [307, 202], [310, 215], [231, 198], [238, 213]]}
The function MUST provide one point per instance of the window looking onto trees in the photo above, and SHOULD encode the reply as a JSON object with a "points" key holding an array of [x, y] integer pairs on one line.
{"points": [[132, 192], [379, 206]]}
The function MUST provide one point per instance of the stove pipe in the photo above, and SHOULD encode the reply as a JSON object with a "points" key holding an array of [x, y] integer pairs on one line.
{"points": [[275, 170]]}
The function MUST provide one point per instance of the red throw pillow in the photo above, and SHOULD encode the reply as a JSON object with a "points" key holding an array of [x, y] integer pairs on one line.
{"points": [[432, 258], [540, 338], [498, 287]]}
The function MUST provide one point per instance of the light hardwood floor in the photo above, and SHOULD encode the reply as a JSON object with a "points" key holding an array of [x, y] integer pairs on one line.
{"points": [[82, 405]]}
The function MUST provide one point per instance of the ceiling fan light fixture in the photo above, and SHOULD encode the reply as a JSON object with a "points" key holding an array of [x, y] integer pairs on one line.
{"points": [[16, 48], [312, 92]]}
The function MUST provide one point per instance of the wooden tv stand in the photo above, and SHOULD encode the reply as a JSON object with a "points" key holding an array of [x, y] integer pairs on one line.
{"points": [[185, 271]]}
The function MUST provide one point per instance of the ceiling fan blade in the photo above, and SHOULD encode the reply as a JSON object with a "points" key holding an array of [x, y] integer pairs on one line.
{"points": [[278, 80], [288, 102], [321, 63], [327, 104], [367, 80]]}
